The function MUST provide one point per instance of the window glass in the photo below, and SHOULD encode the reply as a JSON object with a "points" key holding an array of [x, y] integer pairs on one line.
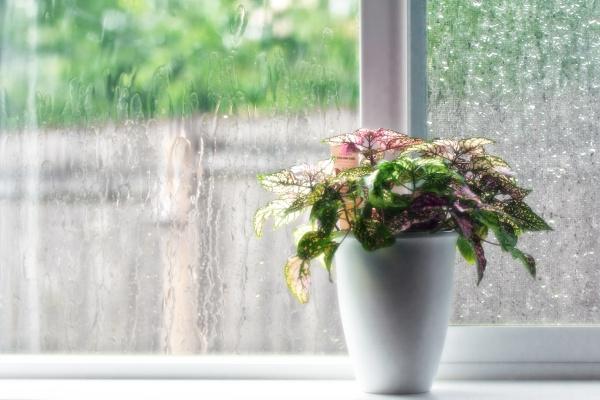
{"points": [[131, 132], [527, 75]]}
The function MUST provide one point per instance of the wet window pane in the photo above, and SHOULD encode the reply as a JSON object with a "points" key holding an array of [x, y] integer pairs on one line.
{"points": [[131, 132], [527, 74]]}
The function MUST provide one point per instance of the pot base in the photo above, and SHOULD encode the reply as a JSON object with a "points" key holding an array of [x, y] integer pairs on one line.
{"points": [[395, 305]]}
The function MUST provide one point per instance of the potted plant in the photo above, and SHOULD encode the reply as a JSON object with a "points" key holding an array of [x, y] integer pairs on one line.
{"points": [[389, 210]]}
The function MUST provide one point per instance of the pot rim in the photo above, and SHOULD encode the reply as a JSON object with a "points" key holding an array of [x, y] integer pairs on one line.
{"points": [[418, 235]]}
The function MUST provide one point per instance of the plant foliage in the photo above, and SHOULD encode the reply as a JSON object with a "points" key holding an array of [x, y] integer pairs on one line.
{"points": [[402, 185]]}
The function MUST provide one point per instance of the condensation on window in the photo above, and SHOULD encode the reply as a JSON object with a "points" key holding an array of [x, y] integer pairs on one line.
{"points": [[131, 133], [527, 75]]}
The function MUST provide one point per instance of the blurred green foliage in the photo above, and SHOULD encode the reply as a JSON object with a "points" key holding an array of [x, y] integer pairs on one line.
{"points": [[78, 61], [505, 49], [118, 59]]}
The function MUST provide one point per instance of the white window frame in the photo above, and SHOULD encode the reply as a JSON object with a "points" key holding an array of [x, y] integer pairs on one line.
{"points": [[393, 94]]}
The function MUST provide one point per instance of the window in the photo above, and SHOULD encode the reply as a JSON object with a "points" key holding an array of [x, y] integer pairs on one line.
{"points": [[131, 135], [526, 75], [128, 182]]}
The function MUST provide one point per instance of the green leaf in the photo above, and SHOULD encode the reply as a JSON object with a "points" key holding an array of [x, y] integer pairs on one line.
{"points": [[486, 217], [505, 232], [412, 176], [437, 184], [506, 236], [390, 201], [297, 278], [466, 249], [325, 210], [431, 168], [527, 260], [525, 217], [507, 239], [312, 244], [426, 175], [372, 234], [328, 255], [480, 230], [395, 172]]}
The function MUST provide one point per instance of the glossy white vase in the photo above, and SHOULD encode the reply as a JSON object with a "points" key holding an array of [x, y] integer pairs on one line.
{"points": [[395, 305]]}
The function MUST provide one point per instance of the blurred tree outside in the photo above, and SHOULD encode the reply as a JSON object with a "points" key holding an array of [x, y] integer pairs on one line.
{"points": [[118, 59]]}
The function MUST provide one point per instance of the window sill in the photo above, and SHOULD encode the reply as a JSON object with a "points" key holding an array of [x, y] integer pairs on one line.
{"points": [[550, 365], [288, 389]]}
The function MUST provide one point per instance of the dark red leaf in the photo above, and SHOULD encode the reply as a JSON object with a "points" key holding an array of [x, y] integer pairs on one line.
{"points": [[481, 261]]}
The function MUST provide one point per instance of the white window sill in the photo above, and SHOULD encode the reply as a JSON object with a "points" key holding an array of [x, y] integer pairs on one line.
{"points": [[285, 389]]}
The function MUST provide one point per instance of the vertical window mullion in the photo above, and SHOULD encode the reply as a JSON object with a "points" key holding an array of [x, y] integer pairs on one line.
{"points": [[393, 65]]}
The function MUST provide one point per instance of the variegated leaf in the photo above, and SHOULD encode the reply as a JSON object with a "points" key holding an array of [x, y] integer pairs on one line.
{"points": [[524, 216], [298, 180], [373, 141], [489, 162], [297, 278], [474, 144], [353, 174], [453, 150], [276, 209]]}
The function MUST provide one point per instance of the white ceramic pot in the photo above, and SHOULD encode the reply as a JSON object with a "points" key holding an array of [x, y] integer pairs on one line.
{"points": [[395, 306]]}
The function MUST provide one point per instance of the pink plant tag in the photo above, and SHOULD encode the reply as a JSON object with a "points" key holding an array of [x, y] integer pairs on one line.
{"points": [[345, 156]]}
